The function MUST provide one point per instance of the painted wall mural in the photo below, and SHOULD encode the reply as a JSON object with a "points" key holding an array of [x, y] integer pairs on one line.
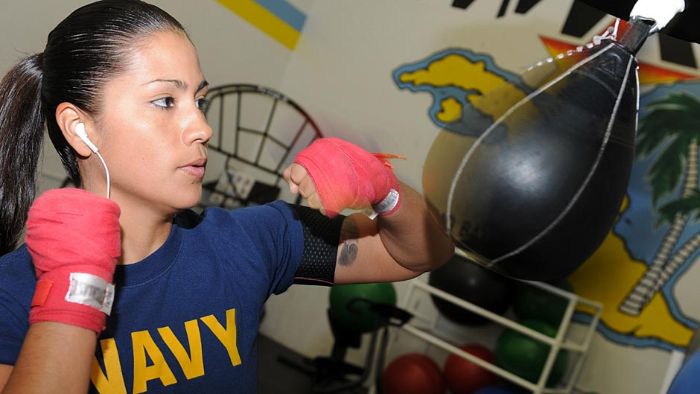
{"points": [[655, 241], [279, 19]]}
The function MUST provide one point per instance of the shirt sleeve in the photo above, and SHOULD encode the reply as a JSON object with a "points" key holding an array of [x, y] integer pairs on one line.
{"points": [[288, 249], [270, 235], [17, 282], [12, 329], [14, 323]]}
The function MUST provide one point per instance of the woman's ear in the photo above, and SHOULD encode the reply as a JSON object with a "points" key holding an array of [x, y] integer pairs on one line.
{"points": [[73, 123]]}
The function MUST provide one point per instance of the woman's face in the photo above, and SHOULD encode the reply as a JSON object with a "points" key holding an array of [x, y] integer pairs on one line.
{"points": [[153, 132]]}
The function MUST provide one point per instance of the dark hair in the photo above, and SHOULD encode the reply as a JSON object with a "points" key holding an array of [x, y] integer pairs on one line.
{"points": [[83, 52]]}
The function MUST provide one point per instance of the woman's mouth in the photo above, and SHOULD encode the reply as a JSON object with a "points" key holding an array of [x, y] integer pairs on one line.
{"points": [[195, 168]]}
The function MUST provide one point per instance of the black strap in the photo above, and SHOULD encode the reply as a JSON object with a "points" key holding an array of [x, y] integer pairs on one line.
{"points": [[321, 239]]}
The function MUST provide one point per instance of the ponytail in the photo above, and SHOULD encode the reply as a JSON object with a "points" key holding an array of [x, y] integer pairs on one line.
{"points": [[21, 132], [82, 53]]}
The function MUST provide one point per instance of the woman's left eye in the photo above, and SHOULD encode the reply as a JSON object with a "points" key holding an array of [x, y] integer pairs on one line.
{"points": [[202, 103], [165, 102]]}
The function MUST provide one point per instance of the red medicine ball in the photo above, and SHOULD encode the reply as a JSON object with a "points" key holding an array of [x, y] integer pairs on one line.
{"points": [[465, 377], [413, 373]]}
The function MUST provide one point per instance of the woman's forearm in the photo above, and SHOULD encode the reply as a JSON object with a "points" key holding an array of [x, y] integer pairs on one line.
{"points": [[55, 358], [413, 236]]}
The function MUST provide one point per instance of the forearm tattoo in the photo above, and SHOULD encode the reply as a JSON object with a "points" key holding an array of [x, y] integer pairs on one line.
{"points": [[349, 247], [348, 253]]}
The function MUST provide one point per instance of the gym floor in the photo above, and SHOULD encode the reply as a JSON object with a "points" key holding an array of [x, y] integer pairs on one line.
{"points": [[275, 376], [281, 370]]}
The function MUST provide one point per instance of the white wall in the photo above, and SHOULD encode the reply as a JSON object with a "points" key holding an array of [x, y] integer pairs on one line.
{"points": [[230, 49]]}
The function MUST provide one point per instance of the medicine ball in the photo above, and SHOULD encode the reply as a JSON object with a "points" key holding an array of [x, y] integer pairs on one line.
{"points": [[350, 311], [472, 283], [525, 356], [533, 303], [413, 373], [465, 377], [534, 193]]}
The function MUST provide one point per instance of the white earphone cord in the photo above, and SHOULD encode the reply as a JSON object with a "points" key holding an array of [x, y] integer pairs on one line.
{"points": [[104, 165]]}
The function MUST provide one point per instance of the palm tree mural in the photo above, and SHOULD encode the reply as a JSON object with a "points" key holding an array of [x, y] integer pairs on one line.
{"points": [[675, 123]]}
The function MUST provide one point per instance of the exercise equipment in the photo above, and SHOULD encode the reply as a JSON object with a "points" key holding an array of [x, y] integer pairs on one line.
{"points": [[684, 26], [575, 342], [257, 131], [349, 309], [534, 303], [413, 373], [526, 356], [332, 374], [531, 188], [463, 376], [473, 283]]}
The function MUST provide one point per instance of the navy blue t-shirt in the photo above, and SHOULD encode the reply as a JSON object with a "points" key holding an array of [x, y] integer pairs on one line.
{"points": [[184, 319]]}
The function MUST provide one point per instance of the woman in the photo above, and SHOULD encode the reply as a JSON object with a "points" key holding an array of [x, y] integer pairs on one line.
{"points": [[119, 87]]}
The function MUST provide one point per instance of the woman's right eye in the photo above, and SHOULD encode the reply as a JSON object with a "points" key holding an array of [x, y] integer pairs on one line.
{"points": [[164, 102]]}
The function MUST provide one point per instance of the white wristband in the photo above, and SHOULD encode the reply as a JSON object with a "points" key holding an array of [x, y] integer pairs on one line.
{"points": [[90, 290], [388, 203]]}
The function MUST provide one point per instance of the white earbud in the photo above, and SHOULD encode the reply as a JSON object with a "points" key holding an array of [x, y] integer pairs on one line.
{"points": [[80, 132]]}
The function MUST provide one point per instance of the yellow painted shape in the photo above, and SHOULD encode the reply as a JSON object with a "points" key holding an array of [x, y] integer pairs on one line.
{"points": [[225, 335], [495, 96], [264, 20], [455, 70], [143, 343], [608, 277], [112, 381], [192, 364], [450, 110]]}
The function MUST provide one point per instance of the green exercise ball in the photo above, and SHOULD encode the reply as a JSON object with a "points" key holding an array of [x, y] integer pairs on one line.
{"points": [[356, 315], [533, 303], [526, 356]]}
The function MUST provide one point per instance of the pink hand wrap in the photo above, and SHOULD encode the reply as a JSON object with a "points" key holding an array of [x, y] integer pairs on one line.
{"points": [[347, 176], [73, 237]]}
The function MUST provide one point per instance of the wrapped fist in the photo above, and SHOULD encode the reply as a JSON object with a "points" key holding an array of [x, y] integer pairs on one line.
{"points": [[340, 175], [74, 239]]}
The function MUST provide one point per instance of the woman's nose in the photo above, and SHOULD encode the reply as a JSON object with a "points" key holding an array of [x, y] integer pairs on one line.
{"points": [[197, 129]]}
